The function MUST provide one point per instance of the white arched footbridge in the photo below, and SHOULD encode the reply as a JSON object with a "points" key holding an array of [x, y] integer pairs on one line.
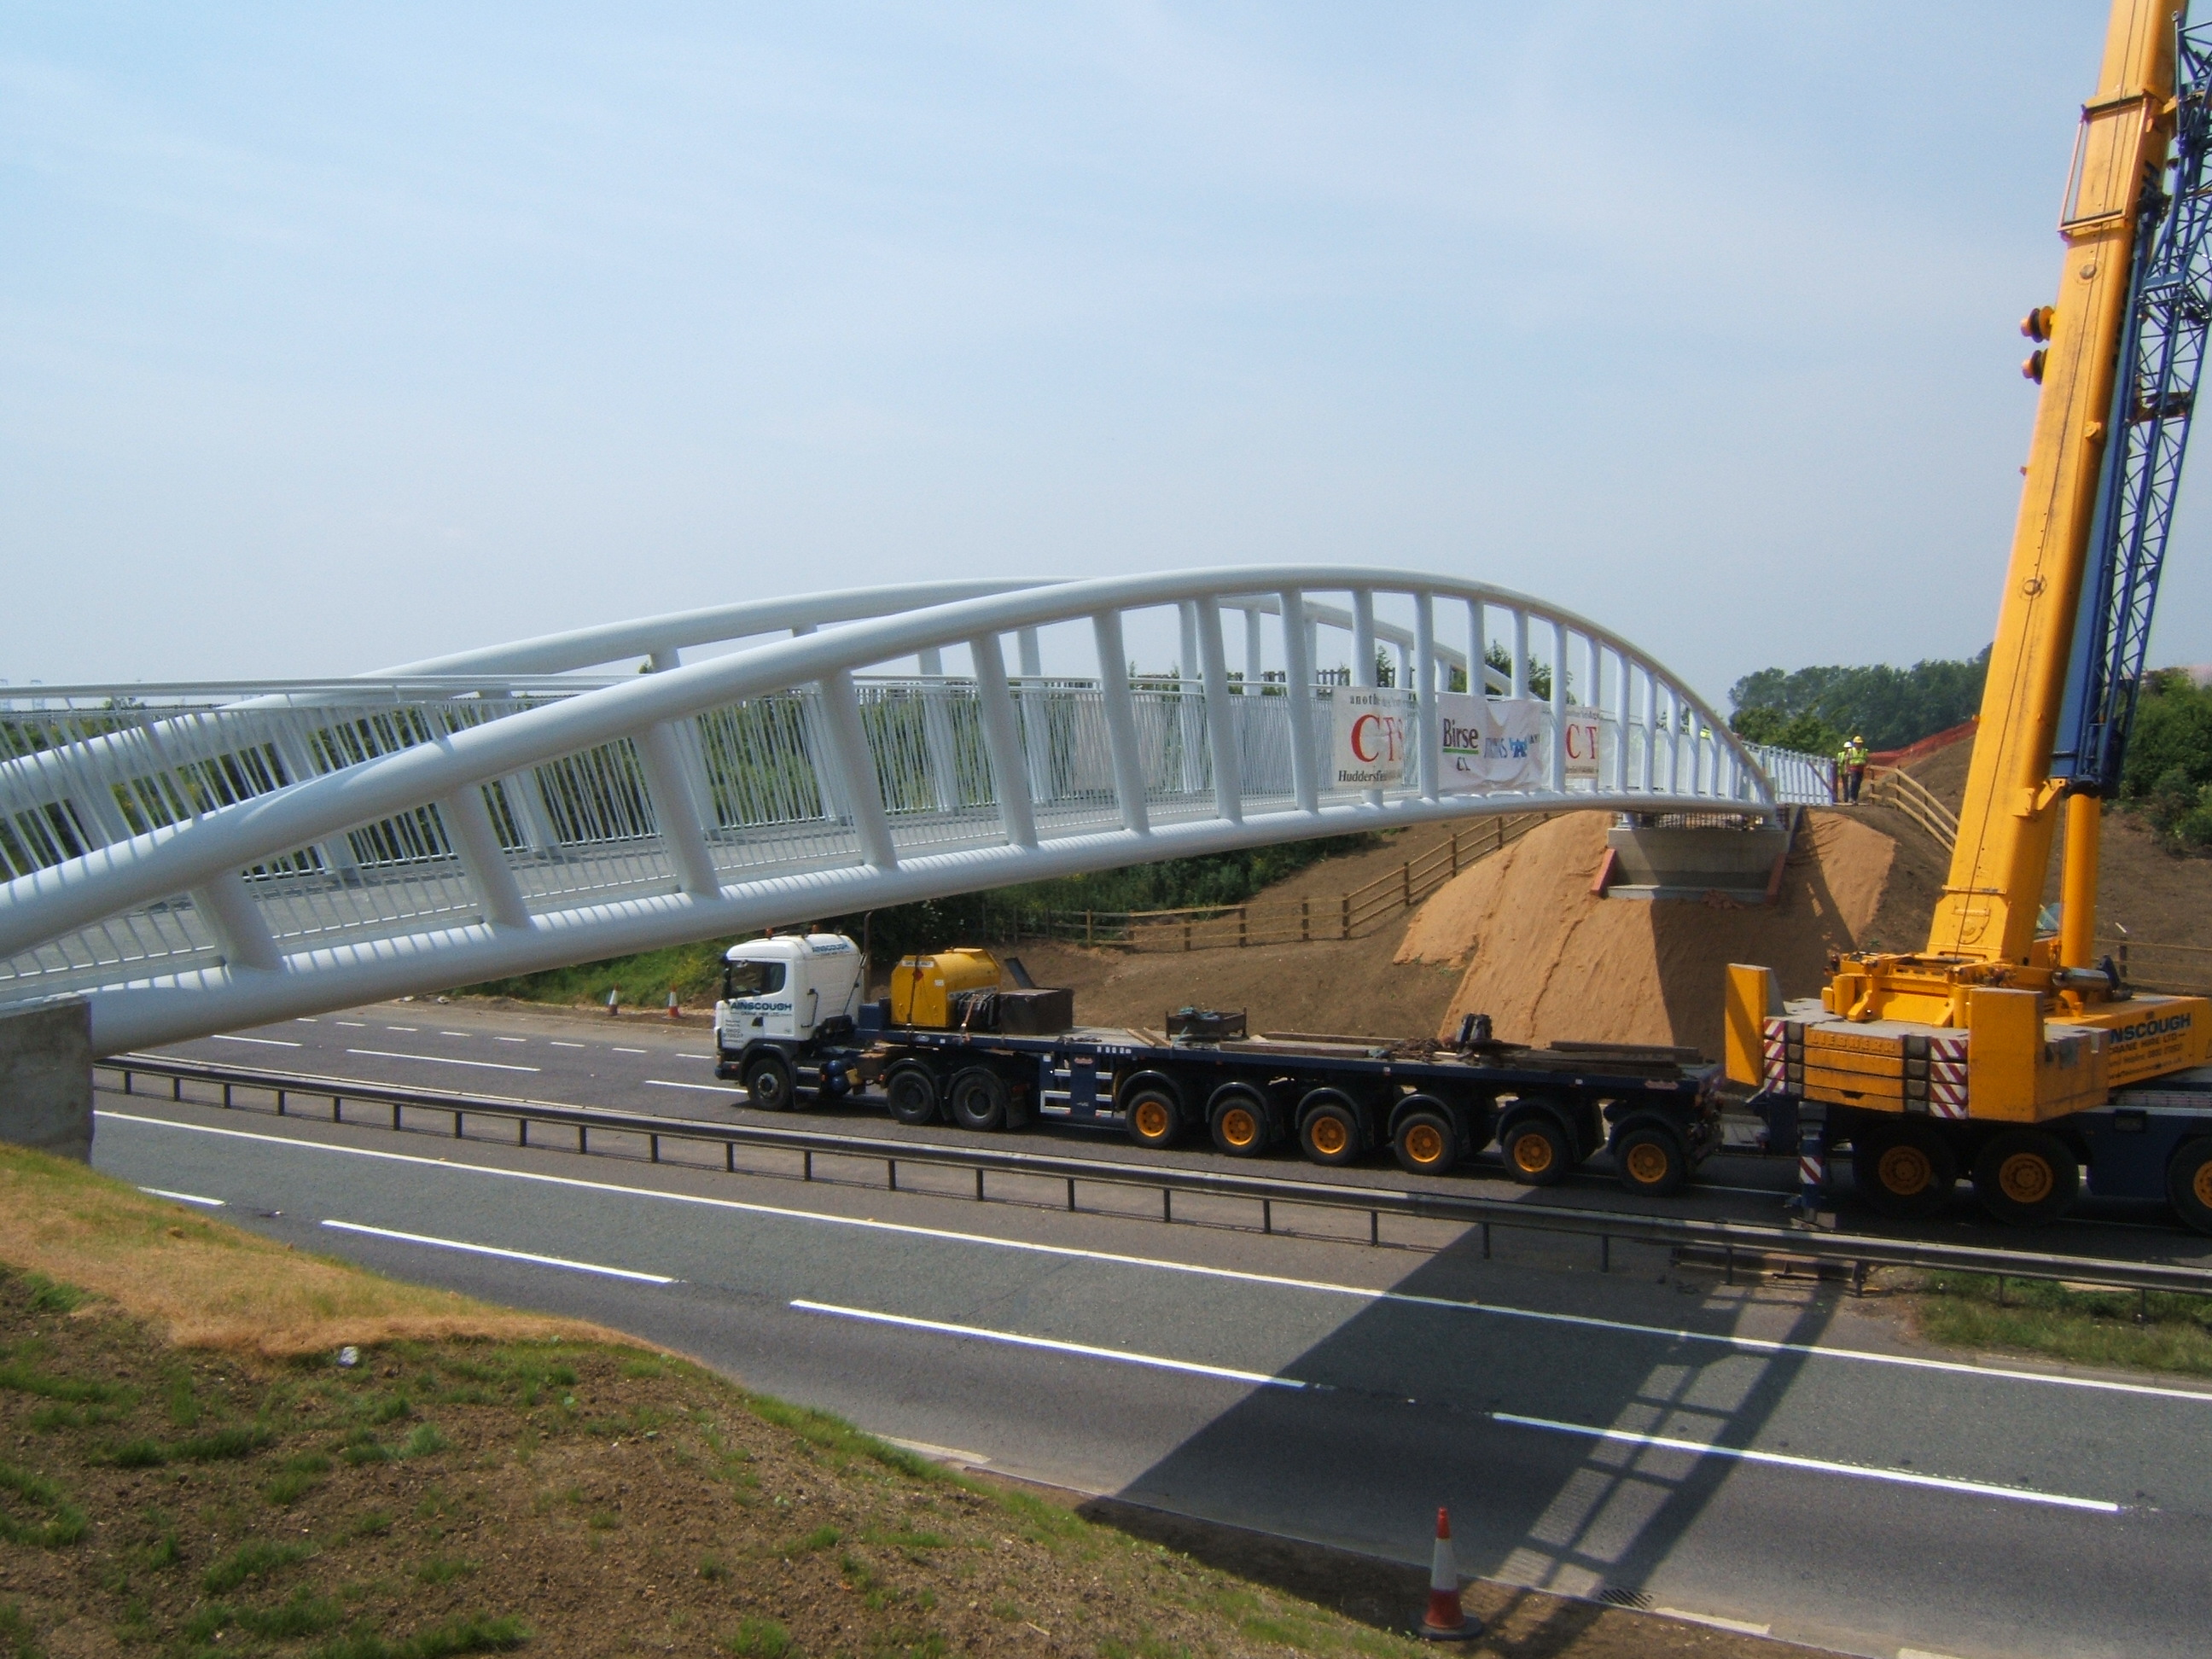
{"points": [[192, 858]]}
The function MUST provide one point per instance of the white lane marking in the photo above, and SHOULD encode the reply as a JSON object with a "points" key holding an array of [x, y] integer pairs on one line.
{"points": [[937, 1454], [304, 1019], [440, 1060], [185, 1198], [458, 1034], [510, 1255], [557, 1043], [1812, 1465], [401, 1028], [1740, 1626], [1586, 1322], [629, 1051], [1922, 1653], [357, 1024], [266, 1042], [695, 1056], [709, 1088], [502, 1039], [1123, 1355]]}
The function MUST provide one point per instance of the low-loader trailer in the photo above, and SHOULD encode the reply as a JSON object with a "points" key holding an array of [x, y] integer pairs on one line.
{"points": [[950, 1042]]}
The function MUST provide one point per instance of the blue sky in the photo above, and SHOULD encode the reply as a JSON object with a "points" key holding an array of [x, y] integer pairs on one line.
{"points": [[335, 337]]}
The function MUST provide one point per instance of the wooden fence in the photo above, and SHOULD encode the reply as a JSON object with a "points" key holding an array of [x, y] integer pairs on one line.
{"points": [[2182, 969], [1893, 787], [1276, 921]]}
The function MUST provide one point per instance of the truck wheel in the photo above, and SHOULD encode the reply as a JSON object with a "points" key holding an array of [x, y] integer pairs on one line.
{"points": [[1903, 1170], [1537, 1151], [1328, 1130], [978, 1099], [1650, 1161], [1425, 1143], [2188, 1184], [911, 1093], [1239, 1122], [2026, 1178], [768, 1083], [1154, 1114]]}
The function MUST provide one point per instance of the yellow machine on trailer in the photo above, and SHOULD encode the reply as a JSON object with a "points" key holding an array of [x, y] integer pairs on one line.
{"points": [[1999, 1050]]}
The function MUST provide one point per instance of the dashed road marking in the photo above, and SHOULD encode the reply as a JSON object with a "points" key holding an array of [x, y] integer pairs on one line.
{"points": [[440, 1060], [185, 1198], [709, 1088], [266, 1043], [492, 1249]]}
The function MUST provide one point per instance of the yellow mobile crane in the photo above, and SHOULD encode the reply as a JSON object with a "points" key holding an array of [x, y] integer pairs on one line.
{"points": [[1998, 1050]]}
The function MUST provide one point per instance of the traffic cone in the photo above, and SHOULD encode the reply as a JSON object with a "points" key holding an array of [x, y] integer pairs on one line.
{"points": [[614, 997], [671, 1003], [1447, 1620]]}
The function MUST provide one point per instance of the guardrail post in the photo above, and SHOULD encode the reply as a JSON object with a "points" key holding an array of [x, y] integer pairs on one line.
{"points": [[1121, 742], [675, 814], [1297, 694], [1002, 740], [1220, 718], [1362, 658], [855, 765]]}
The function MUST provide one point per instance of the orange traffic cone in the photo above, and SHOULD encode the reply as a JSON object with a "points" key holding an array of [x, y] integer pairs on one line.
{"points": [[1447, 1620], [671, 1003]]}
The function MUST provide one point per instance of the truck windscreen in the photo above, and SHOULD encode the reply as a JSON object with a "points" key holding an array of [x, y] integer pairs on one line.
{"points": [[741, 980]]}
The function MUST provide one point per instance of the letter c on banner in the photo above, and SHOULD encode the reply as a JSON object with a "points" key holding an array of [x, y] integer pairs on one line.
{"points": [[1360, 739]]}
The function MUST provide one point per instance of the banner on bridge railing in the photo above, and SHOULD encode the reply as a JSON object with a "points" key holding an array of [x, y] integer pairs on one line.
{"points": [[1487, 744], [1373, 740]]}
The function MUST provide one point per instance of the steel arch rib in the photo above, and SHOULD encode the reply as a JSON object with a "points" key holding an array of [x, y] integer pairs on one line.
{"points": [[1705, 768]]}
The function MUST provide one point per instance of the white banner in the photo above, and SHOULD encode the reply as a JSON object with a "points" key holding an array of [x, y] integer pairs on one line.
{"points": [[1587, 743], [1487, 744], [1373, 735]]}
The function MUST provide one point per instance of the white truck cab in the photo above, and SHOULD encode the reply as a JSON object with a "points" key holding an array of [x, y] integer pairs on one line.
{"points": [[785, 989]]}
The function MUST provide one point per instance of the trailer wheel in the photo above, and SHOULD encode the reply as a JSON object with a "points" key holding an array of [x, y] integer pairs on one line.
{"points": [[2188, 1184], [2027, 1177], [1328, 1128], [1425, 1143], [768, 1083], [1538, 1151], [977, 1096], [911, 1093], [1650, 1160], [1152, 1111], [1902, 1169], [1239, 1118]]}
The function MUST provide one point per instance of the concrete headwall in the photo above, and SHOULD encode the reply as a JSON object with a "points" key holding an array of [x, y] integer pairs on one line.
{"points": [[45, 1079]]}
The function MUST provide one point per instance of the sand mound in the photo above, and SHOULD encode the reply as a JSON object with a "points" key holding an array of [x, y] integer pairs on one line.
{"points": [[1546, 959]]}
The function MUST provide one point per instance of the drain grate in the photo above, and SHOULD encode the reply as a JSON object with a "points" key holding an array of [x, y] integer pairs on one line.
{"points": [[1620, 1595]]}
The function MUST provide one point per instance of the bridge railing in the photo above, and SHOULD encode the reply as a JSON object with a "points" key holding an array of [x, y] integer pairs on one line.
{"points": [[252, 847]]}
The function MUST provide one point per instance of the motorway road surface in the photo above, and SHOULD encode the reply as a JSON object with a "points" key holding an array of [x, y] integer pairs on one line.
{"points": [[1780, 1458], [646, 1065]]}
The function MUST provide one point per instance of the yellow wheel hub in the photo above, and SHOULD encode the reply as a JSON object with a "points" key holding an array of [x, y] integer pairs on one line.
{"points": [[1239, 1127], [1905, 1171], [2202, 1185], [1328, 1136], [2026, 1178], [1423, 1145], [1647, 1164], [1152, 1119], [1533, 1154]]}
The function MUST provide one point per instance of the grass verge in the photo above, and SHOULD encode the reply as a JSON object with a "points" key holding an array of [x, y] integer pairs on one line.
{"points": [[2112, 1329]]}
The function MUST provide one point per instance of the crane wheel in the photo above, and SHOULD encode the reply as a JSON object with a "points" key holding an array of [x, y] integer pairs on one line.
{"points": [[1154, 1115], [1903, 1170], [768, 1083], [2189, 1184], [1425, 1143], [1537, 1151], [978, 1099], [1650, 1161], [2026, 1178], [1240, 1122]]}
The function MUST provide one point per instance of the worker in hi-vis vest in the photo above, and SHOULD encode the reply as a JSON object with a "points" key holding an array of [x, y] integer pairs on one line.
{"points": [[1850, 770]]}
